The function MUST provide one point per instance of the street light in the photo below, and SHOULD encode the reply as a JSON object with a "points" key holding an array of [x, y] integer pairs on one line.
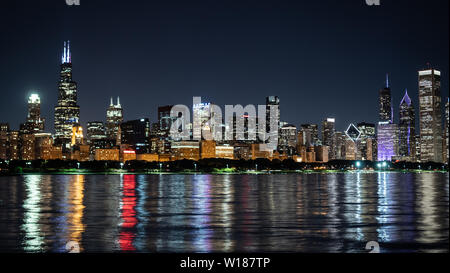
{"points": [[256, 167], [78, 165], [195, 166], [160, 167], [358, 164]]}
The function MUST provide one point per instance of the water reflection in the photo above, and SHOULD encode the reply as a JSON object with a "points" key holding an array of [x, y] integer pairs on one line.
{"points": [[405, 212], [128, 215], [33, 240]]}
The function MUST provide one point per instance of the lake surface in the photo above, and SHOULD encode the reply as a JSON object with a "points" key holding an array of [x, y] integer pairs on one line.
{"points": [[403, 212]]}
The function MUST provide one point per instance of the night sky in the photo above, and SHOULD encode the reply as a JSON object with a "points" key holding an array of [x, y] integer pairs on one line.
{"points": [[323, 58]]}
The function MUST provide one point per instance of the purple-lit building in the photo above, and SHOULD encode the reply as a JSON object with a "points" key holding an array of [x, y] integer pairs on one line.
{"points": [[387, 135]]}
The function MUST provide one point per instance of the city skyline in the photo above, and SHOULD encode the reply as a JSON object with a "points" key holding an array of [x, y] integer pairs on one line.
{"points": [[223, 66]]}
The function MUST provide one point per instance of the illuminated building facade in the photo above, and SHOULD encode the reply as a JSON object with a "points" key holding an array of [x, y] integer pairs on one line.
{"points": [[67, 112], [136, 133], [95, 131], [339, 140], [44, 146], [202, 114], [310, 134], [407, 131], [4, 129], [272, 102], [163, 128], [207, 149], [446, 132], [367, 142], [430, 115], [287, 140], [107, 155], [189, 150], [225, 151], [34, 123], [387, 141], [328, 130], [114, 117], [27, 148], [385, 103], [77, 135], [351, 143], [387, 136]]}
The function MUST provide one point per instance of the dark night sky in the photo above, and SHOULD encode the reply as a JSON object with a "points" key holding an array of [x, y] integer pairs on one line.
{"points": [[323, 58]]}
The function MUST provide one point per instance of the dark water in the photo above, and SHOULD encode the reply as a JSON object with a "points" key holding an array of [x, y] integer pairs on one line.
{"points": [[225, 213]]}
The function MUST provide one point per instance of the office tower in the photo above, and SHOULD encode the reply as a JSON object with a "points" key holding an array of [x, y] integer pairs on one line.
{"points": [[430, 115], [351, 142], [202, 114], [407, 125], [328, 130], [95, 131], [114, 117], [44, 146], [34, 123], [339, 140], [287, 140], [27, 147], [417, 144], [385, 103], [272, 102], [310, 134], [165, 120], [67, 112], [13, 146], [4, 129], [387, 141], [367, 142], [387, 138], [136, 133], [446, 132]]}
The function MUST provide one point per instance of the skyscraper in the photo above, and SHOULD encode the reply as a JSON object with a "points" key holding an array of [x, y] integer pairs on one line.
{"points": [[34, 123], [387, 137], [328, 130], [310, 134], [447, 128], [67, 112], [114, 117], [407, 125], [287, 141], [272, 102], [202, 114], [385, 103], [367, 147], [430, 115], [95, 131], [136, 133]]}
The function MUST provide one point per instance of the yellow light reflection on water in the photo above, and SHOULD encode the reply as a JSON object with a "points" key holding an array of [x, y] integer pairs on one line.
{"points": [[75, 216]]}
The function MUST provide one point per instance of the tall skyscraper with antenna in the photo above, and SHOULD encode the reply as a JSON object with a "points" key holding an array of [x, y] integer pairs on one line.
{"points": [[114, 117], [387, 135], [67, 111]]}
